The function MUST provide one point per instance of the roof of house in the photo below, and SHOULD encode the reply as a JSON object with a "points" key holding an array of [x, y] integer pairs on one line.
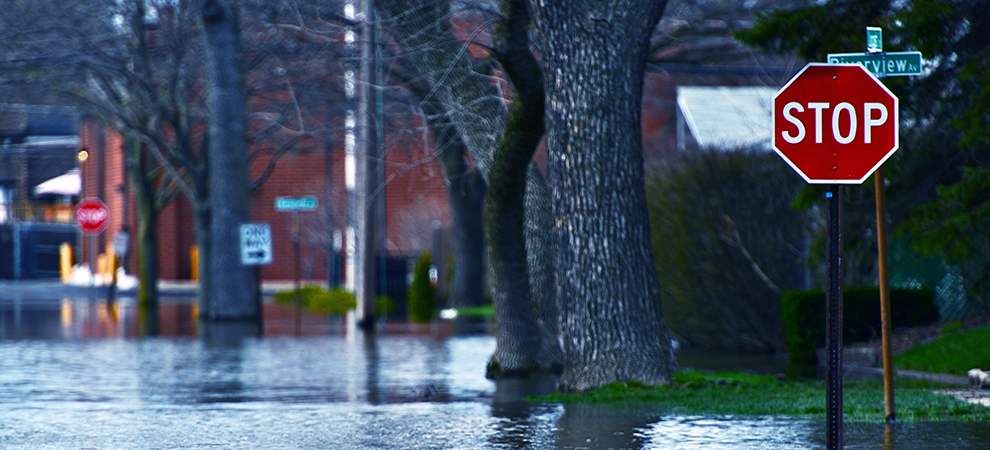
{"points": [[728, 117]]}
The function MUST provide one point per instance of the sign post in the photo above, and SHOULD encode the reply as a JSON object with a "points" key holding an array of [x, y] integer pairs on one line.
{"points": [[295, 205], [835, 125]]}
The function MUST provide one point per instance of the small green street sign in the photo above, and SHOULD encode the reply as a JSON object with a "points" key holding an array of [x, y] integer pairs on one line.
{"points": [[874, 39], [307, 203], [882, 64]]}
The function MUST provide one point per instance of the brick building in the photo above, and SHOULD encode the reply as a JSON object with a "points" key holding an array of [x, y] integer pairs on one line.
{"points": [[415, 200]]}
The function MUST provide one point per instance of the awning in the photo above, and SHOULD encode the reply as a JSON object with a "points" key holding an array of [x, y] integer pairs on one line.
{"points": [[67, 184]]}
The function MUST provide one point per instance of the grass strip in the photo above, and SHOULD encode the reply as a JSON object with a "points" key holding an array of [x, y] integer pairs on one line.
{"points": [[476, 311], [954, 353], [737, 394]]}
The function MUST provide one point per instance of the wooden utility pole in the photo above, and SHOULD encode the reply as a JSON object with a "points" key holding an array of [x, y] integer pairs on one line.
{"points": [[888, 365]]}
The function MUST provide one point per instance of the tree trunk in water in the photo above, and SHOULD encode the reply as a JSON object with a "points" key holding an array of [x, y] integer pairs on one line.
{"points": [[231, 285], [522, 334], [147, 208], [611, 315], [147, 252], [201, 226]]}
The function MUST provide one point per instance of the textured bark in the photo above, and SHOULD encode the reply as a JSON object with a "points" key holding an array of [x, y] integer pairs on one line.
{"points": [[611, 316], [231, 287], [522, 337]]}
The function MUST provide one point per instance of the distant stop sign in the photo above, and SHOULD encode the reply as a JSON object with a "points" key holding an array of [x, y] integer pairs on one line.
{"points": [[835, 123], [92, 215]]}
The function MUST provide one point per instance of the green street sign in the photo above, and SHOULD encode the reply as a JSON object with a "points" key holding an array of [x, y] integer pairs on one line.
{"points": [[307, 203], [882, 64]]}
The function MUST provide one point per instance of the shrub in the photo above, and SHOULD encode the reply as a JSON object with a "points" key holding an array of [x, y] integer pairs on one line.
{"points": [[384, 305], [421, 291], [319, 300], [803, 314], [722, 227]]}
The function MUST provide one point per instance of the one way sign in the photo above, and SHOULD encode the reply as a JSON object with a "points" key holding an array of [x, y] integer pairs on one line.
{"points": [[256, 244]]}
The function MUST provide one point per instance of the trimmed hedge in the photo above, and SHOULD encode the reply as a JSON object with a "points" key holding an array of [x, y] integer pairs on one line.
{"points": [[803, 314]]}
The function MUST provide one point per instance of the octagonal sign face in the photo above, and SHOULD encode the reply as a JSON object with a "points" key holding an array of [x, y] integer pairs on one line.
{"points": [[92, 215], [835, 123]]}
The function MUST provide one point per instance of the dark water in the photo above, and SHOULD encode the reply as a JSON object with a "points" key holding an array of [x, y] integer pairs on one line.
{"points": [[74, 376]]}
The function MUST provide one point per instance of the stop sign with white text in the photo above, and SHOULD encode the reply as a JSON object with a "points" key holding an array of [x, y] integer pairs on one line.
{"points": [[92, 215], [835, 123]]}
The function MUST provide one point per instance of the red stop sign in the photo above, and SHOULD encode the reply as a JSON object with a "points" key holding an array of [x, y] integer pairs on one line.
{"points": [[835, 123], [92, 215]]}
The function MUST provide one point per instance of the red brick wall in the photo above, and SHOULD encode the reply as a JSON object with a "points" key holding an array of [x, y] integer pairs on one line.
{"points": [[415, 199]]}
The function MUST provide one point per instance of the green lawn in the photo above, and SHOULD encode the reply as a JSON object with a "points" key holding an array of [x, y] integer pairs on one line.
{"points": [[954, 353], [730, 393]]}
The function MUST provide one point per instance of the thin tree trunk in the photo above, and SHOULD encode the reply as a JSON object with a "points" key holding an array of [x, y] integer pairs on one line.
{"points": [[231, 287], [147, 252], [611, 316], [466, 195], [473, 106], [147, 208]]}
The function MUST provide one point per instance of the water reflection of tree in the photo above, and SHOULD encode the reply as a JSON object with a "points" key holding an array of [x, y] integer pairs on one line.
{"points": [[602, 426], [521, 423], [219, 375]]}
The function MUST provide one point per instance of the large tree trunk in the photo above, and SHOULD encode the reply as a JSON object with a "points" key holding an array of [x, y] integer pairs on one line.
{"points": [[231, 288], [611, 315]]}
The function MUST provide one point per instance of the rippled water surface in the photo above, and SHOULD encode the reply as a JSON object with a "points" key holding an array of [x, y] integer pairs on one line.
{"points": [[69, 388]]}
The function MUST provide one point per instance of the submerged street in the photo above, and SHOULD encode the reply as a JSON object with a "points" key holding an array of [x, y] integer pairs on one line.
{"points": [[72, 376]]}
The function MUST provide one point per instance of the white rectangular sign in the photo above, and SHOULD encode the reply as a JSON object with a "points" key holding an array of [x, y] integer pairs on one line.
{"points": [[256, 244]]}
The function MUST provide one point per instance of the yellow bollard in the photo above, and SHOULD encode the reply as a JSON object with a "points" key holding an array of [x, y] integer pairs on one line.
{"points": [[101, 265], [111, 263], [65, 261], [194, 263]]}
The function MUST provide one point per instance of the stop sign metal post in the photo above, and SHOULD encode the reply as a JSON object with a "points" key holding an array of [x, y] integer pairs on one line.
{"points": [[835, 125]]}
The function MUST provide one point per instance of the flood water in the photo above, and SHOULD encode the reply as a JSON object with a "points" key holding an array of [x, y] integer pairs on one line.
{"points": [[74, 375]]}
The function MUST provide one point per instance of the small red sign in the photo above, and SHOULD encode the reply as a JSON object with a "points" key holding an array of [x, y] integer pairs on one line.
{"points": [[835, 123], [92, 215]]}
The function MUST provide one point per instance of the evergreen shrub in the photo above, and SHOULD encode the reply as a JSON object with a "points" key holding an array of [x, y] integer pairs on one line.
{"points": [[803, 314], [421, 295]]}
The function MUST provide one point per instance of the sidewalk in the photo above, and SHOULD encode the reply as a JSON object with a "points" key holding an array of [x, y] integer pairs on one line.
{"points": [[55, 289]]}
